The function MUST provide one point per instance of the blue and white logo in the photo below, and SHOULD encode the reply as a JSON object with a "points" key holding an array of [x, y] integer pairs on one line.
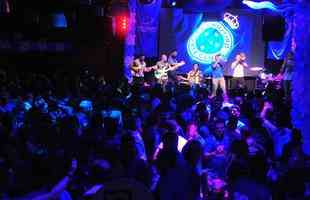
{"points": [[210, 39]]}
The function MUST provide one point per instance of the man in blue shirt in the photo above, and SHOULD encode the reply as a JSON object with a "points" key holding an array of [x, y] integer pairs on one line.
{"points": [[218, 76], [216, 149]]}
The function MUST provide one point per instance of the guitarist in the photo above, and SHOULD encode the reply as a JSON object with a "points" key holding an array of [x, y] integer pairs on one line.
{"points": [[195, 76], [162, 68], [174, 65], [138, 68]]}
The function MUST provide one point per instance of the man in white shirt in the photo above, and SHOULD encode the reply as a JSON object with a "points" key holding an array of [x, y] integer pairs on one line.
{"points": [[238, 71]]}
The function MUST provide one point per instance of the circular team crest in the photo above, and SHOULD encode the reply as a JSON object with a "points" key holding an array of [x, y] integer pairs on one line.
{"points": [[210, 39]]}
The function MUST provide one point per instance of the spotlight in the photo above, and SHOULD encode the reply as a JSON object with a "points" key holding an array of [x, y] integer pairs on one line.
{"points": [[171, 4], [121, 25], [59, 20]]}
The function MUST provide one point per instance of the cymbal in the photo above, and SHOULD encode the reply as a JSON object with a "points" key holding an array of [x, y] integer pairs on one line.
{"points": [[256, 69]]}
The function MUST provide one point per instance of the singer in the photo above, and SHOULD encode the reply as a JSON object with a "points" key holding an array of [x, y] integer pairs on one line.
{"points": [[238, 67]]}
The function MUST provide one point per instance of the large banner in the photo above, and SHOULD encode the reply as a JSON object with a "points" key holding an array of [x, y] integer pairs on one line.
{"points": [[198, 37]]}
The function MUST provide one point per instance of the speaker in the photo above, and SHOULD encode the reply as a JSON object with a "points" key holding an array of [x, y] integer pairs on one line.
{"points": [[273, 28]]}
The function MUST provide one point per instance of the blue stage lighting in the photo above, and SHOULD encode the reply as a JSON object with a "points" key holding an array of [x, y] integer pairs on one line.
{"points": [[59, 20], [261, 5], [210, 39], [285, 7]]}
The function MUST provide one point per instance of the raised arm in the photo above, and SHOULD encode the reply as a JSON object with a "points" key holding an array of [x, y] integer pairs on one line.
{"points": [[266, 123], [177, 65], [148, 69]]}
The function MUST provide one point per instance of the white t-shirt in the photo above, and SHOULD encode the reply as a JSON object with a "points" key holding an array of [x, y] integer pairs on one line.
{"points": [[238, 69]]}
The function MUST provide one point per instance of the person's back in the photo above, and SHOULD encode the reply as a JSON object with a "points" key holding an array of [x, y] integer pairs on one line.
{"points": [[111, 140], [172, 169], [151, 138], [243, 184], [132, 165], [196, 182], [134, 128], [295, 160], [173, 176]]}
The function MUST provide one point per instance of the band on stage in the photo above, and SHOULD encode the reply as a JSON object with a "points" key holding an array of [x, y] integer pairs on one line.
{"points": [[165, 72]]}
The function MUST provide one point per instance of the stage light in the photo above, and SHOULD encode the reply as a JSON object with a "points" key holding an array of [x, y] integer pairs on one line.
{"points": [[59, 20], [172, 3], [268, 5], [121, 25], [260, 5], [210, 39]]}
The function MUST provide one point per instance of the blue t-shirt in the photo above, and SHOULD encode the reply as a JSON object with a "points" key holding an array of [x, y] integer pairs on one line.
{"points": [[217, 71], [217, 164]]}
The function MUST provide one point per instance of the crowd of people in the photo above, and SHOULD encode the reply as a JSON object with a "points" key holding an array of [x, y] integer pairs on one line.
{"points": [[178, 143]]}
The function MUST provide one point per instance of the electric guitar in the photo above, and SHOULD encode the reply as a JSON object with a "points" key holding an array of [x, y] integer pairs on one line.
{"points": [[162, 73]]}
